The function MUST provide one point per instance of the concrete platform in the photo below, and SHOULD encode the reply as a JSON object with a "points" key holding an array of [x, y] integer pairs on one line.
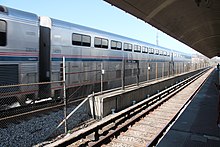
{"points": [[197, 125], [103, 104]]}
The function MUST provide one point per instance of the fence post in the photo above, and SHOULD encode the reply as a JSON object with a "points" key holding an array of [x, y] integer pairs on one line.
{"points": [[64, 94], [183, 67], [138, 73], [148, 71], [156, 76], [123, 73], [102, 74]]}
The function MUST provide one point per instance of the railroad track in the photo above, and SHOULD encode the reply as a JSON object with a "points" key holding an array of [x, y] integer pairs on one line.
{"points": [[150, 125], [142, 124], [147, 128], [21, 112], [18, 113], [24, 112]]}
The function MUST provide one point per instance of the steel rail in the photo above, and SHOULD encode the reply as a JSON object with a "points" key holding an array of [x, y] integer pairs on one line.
{"points": [[121, 128], [30, 110], [161, 133]]}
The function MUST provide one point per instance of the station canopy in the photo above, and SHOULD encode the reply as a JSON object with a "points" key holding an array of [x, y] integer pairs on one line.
{"points": [[193, 22]]}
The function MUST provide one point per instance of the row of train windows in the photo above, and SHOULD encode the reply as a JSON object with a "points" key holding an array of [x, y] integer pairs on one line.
{"points": [[85, 40]]}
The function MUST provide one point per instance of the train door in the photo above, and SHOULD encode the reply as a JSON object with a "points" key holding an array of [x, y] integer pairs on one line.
{"points": [[44, 57]]}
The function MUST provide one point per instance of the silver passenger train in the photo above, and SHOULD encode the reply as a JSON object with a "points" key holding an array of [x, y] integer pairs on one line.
{"points": [[32, 47]]}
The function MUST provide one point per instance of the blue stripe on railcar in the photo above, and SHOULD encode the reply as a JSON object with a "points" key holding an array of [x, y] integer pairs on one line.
{"points": [[6, 58], [102, 59], [85, 59]]}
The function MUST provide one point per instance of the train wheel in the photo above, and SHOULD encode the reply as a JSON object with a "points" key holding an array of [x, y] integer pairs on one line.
{"points": [[22, 100], [57, 94], [32, 97]]}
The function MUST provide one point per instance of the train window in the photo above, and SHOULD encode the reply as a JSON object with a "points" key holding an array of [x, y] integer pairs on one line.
{"points": [[165, 53], [130, 46], [119, 45], [127, 47], [86, 40], [98, 42], [104, 43], [3, 32], [137, 48], [160, 52], [81, 40], [116, 45], [101, 43], [168, 54], [156, 52], [113, 44], [151, 50], [3, 9], [144, 49], [77, 39]]}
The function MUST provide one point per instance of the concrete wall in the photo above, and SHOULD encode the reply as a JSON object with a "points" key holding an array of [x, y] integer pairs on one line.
{"points": [[102, 105]]}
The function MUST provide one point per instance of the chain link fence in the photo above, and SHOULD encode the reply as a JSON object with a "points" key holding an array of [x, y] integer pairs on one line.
{"points": [[22, 95], [69, 89], [103, 78]]}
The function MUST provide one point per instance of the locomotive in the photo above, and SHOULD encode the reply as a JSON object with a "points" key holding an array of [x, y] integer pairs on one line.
{"points": [[32, 48]]}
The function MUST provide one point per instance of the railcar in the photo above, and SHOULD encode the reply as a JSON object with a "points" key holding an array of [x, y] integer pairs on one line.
{"points": [[32, 47], [19, 51]]}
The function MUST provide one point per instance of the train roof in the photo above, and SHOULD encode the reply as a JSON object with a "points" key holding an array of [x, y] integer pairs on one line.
{"points": [[18, 13], [81, 28], [64, 24]]}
